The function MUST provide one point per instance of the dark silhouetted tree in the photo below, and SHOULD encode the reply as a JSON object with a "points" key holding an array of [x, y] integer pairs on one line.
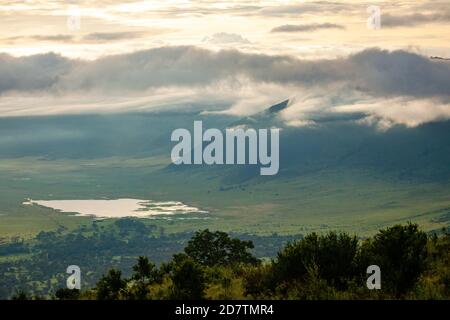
{"points": [[217, 248], [401, 254], [145, 273], [332, 255], [188, 280], [110, 285], [144, 270]]}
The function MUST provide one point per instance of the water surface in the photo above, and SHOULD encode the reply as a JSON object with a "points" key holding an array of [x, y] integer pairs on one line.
{"points": [[117, 208]]}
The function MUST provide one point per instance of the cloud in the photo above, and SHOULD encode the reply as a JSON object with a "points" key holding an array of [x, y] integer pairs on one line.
{"points": [[411, 113], [96, 37], [313, 7], [37, 72], [373, 71], [44, 38], [56, 38], [386, 86], [111, 36], [225, 38], [312, 108], [306, 27], [411, 20]]}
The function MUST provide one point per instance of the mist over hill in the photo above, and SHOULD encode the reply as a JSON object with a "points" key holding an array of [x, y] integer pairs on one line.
{"points": [[335, 173], [421, 152]]}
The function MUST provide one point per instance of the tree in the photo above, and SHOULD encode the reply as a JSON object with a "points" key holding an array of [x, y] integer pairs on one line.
{"points": [[256, 280], [401, 254], [110, 285], [217, 248], [337, 258], [144, 270], [145, 273], [188, 281], [333, 255]]}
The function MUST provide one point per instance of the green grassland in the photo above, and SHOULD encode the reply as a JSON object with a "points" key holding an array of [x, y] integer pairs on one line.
{"points": [[353, 200]]}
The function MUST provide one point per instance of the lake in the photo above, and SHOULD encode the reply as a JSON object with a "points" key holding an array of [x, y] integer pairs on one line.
{"points": [[117, 208]]}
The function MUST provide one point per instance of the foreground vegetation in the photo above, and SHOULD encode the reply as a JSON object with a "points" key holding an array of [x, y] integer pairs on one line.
{"points": [[38, 265], [214, 265]]}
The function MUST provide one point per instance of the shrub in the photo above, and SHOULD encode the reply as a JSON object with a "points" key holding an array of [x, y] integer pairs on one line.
{"points": [[218, 248], [401, 254], [334, 256], [110, 285], [188, 281]]}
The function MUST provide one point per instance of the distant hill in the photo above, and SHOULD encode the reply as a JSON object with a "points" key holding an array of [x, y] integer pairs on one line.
{"points": [[278, 107], [336, 175]]}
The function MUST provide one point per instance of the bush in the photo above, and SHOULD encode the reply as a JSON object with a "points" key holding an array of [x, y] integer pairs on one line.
{"points": [[188, 280], [401, 254], [110, 285], [258, 280], [333, 255]]}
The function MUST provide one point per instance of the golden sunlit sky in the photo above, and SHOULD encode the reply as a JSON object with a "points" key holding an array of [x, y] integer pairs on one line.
{"points": [[306, 29]]}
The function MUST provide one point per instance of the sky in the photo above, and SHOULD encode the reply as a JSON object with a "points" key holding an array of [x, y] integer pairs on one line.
{"points": [[235, 57], [307, 29]]}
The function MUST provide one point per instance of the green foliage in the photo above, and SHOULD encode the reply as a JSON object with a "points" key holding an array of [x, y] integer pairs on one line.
{"points": [[144, 270], [144, 274], [401, 253], [132, 225], [188, 280], [217, 248], [434, 283], [312, 287], [257, 280], [333, 255], [330, 266], [110, 285], [224, 282]]}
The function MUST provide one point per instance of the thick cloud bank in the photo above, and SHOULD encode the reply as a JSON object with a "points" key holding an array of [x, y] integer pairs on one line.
{"points": [[386, 86]]}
